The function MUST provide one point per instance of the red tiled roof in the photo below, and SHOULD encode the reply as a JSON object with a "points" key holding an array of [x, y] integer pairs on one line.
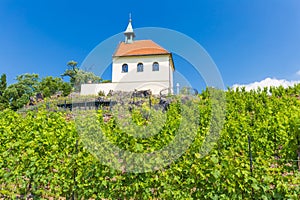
{"points": [[139, 47]]}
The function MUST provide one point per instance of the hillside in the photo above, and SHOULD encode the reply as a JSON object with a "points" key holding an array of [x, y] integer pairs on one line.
{"points": [[43, 152]]}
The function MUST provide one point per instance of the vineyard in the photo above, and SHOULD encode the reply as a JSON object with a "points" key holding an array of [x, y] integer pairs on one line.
{"points": [[257, 155]]}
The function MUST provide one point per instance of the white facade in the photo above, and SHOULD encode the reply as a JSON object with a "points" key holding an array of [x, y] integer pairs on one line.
{"points": [[163, 75]]}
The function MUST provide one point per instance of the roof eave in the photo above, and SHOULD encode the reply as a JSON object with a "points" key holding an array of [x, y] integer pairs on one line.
{"points": [[154, 54]]}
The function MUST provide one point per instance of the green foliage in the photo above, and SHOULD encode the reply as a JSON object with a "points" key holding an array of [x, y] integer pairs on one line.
{"points": [[101, 93], [72, 64], [3, 86], [82, 77], [71, 71], [49, 86], [40, 155], [106, 81], [78, 76], [3, 83], [18, 94]]}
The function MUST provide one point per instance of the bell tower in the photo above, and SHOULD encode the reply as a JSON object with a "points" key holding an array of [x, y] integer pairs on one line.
{"points": [[129, 34]]}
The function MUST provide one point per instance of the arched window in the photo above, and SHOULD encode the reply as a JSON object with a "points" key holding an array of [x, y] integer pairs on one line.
{"points": [[124, 68], [155, 66], [140, 67]]}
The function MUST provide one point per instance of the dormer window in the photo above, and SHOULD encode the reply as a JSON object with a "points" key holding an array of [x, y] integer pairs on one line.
{"points": [[155, 66], [124, 68], [140, 67]]}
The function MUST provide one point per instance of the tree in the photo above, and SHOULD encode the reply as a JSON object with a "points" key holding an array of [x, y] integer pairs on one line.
{"points": [[73, 64], [71, 71], [49, 86], [3, 86], [79, 76], [66, 88], [17, 95], [86, 77]]}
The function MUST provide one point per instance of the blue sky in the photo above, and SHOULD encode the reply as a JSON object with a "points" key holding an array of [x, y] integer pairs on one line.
{"points": [[248, 40]]}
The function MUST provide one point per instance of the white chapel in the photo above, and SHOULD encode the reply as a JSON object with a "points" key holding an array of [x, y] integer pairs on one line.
{"points": [[137, 65]]}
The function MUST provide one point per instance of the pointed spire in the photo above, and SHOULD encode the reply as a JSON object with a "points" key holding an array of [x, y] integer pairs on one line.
{"points": [[129, 34]]}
